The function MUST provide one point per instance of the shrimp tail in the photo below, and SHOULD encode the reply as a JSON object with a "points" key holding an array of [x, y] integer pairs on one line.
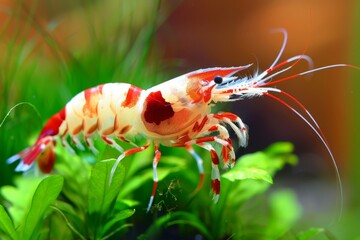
{"points": [[44, 148], [42, 151]]}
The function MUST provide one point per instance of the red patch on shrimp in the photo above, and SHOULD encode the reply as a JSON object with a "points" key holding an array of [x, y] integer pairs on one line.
{"points": [[157, 109], [132, 97], [91, 96], [215, 185], [46, 160], [159, 117], [52, 126]]}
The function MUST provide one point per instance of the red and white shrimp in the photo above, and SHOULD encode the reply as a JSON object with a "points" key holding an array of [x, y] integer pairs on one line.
{"points": [[176, 113]]}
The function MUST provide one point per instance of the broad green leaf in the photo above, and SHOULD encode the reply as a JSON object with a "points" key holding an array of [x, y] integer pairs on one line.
{"points": [[248, 173], [262, 165], [310, 233], [257, 166], [102, 194], [245, 190], [45, 194], [20, 196], [6, 225]]}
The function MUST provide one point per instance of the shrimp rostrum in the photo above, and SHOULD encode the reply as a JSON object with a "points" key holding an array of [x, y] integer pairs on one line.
{"points": [[176, 113]]}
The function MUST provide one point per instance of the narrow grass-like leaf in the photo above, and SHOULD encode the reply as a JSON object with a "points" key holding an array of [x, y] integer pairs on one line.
{"points": [[177, 218], [73, 219], [69, 223], [120, 228], [6, 225], [45, 194], [116, 219]]}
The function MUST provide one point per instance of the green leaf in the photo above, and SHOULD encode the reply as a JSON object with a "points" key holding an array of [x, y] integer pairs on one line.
{"points": [[102, 195], [257, 166], [45, 194], [177, 218], [283, 150], [135, 182], [20, 197], [279, 148], [6, 225], [76, 172], [121, 215], [308, 234], [72, 218], [285, 211], [242, 173], [262, 165], [168, 165]]}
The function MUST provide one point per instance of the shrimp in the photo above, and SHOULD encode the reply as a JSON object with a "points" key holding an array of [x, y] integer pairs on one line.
{"points": [[176, 113]]}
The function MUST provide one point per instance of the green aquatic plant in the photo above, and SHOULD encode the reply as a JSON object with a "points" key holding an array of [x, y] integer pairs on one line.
{"points": [[79, 202]]}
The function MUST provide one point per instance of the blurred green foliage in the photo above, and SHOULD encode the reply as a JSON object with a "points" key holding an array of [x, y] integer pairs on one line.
{"points": [[40, 74], [348, 228]]}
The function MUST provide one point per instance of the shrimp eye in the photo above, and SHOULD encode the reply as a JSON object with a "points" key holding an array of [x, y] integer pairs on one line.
{"points": [[218, 79]]}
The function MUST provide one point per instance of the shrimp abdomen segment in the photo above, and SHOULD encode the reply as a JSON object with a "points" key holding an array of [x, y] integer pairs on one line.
{"points": [[105, 109]]}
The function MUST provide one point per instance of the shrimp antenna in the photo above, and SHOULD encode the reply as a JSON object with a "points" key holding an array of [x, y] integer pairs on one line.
{"points": [[284, 32], [15, 106], [264, 80], [260, 78], [269, 83], [316, 129]]}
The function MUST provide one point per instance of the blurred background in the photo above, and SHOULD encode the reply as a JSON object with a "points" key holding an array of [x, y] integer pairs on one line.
{"points": [[46, 35], [206, 34]]}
